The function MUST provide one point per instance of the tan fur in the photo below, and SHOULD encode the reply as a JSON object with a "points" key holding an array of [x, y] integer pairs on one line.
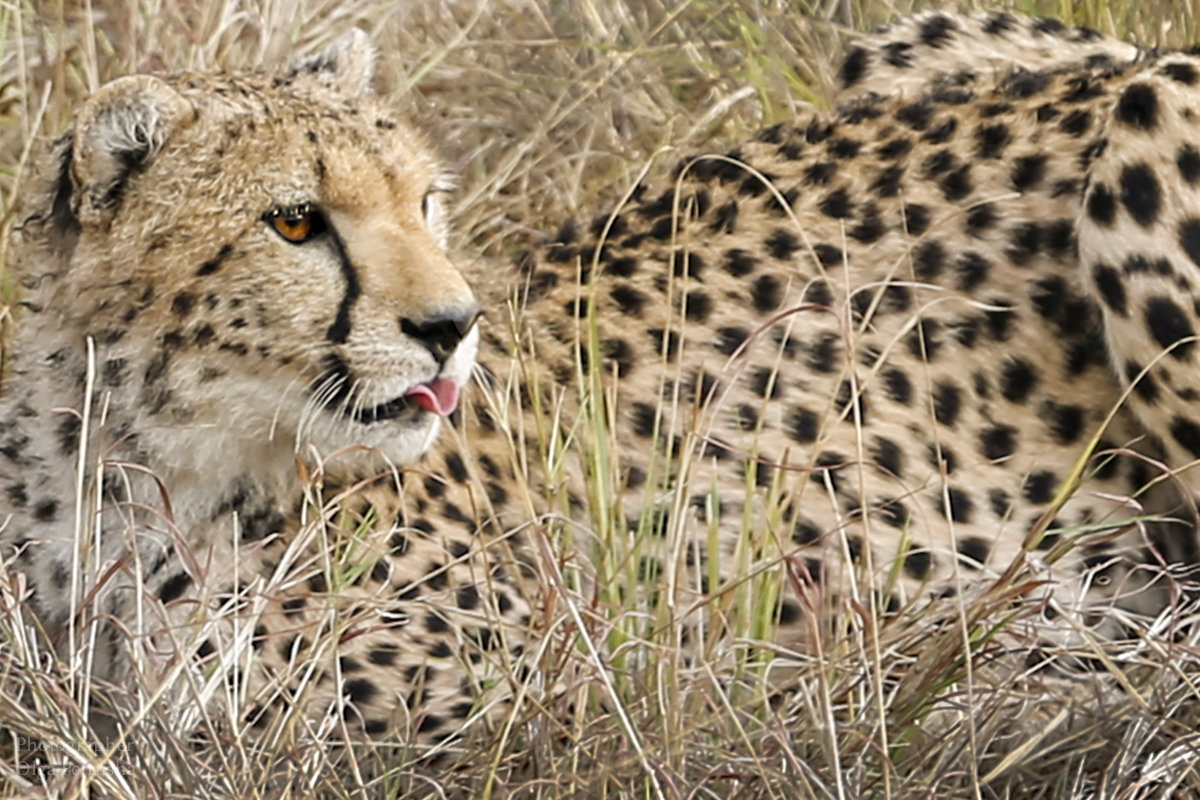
{"points": [[856, 355]]}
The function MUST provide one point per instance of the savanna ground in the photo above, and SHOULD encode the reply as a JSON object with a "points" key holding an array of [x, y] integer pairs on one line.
{"points": [[544, 109]]}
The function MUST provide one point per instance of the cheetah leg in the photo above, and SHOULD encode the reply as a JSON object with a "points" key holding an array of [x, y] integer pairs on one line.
{"points": [[1139, 246]]}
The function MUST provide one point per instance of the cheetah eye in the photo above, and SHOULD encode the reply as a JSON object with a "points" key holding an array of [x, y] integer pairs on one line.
{"points": [[296, 224]]}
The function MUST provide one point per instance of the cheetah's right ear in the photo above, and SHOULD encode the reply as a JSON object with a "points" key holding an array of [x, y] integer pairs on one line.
{"points": [[347, 65], [120, 130]]}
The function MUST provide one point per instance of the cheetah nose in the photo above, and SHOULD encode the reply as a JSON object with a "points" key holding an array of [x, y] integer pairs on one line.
{"points": [[441, 333]]}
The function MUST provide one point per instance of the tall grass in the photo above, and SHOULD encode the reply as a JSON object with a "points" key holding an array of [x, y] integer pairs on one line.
{"points": [[549, 109]]}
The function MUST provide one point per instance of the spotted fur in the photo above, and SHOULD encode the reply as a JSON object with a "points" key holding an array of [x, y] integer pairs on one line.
{"points": [[881, 351]]}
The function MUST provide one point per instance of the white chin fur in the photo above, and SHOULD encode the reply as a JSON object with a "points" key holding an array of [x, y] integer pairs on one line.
{"points": [[400, 441]]}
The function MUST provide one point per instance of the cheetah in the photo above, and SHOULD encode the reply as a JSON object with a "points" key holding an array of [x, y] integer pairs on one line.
{"points": [[886, 351], [225, 276]]}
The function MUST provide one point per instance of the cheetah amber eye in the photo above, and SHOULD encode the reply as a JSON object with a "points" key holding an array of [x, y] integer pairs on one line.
{"points": [[297, 224]]}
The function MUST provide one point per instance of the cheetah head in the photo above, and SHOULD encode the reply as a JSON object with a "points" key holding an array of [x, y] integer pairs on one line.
{"points": [[259, 257]]}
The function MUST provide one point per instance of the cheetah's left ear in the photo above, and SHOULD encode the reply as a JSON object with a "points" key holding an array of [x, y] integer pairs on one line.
{"points": [[347, 65]]}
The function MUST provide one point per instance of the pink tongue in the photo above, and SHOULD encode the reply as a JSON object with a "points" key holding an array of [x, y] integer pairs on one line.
{"points": [[439, 396]]}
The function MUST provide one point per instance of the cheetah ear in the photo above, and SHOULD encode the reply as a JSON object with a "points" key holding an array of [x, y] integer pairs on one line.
{"points": [[120, 130], [346, 65]]}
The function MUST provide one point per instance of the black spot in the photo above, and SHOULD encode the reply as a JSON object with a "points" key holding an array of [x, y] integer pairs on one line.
{"points": [[853, 403], [1182, 72], [293, 606], [1102, 205], [1188, 161], [942, 132], [929, 259], [766, 382], [766, 293], [1076, 123], [665, 342], [1187, 433], [938, 163], [1028, 172], [965, 331], [820, 173], [1140, 193], [854, 67], [836, 204], [456, 467], [998, 441], [895, 148], [842, 147], [916, 219], [1017, 379], [803, 425], [1065, 421], [629, 300], [972, 270], [1189, 238], [828, 255], [897, 386], [823, 353], [869, 230], [214, 264], [45, 510], [947, 403], [1138, 106], [1039, 487], [955, 505], [917, 564], [725, 218], [1169, 324], [980, 217], [68, 433], [887, 456], [781, 244], [898, 54], [183, 303], [974, 551], [1023, 83], [360, 690], [1026, 240], [174, 587], [935, 30], [1112, 289], [916, 115], [999, 22], [804, 532], [618, 267], [887, 183], [893, 512], [17, 494], [729, 339], [739, 263], [699, 306], [1147, 386], [1000, 503], [644, 418], [990, 140], [896, 297], [924, 340], [957, 184]]}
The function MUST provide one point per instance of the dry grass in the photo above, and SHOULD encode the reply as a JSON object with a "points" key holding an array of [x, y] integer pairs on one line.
{"points": [[546, 109]]}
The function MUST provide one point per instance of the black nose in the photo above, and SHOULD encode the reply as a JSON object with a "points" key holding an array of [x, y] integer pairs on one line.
{"points": [[441, 333]]}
